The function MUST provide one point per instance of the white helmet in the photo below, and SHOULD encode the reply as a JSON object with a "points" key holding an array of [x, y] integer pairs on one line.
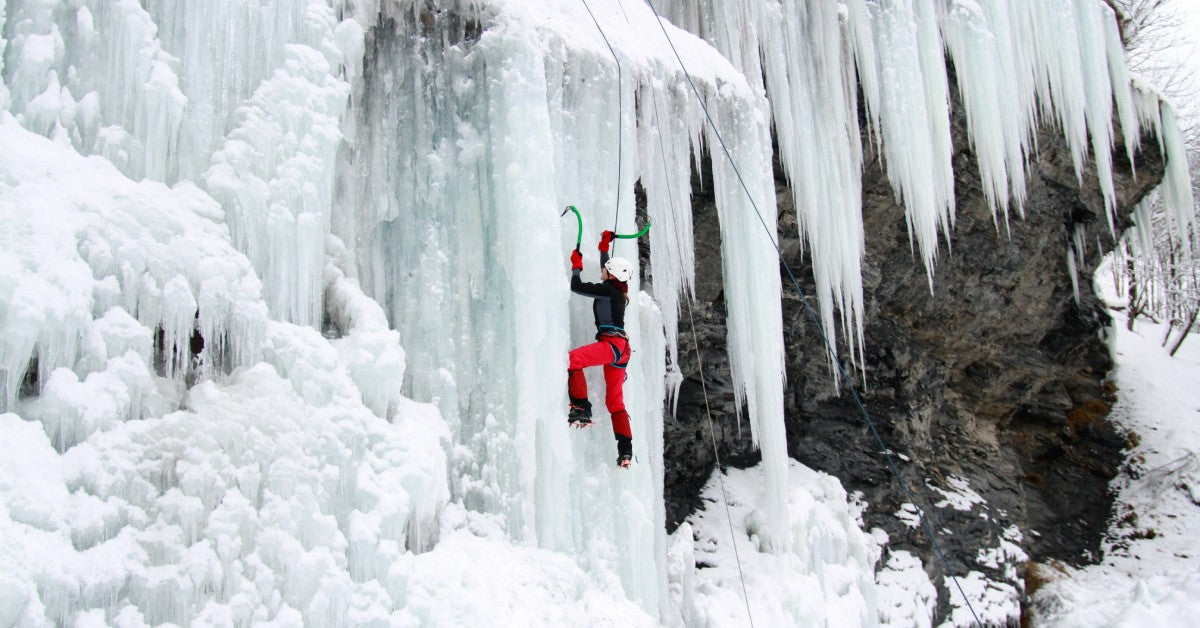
{"points": [[620, 268]]}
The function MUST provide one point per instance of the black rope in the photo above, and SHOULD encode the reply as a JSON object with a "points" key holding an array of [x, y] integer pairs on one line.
{"points": [[817, 325], [712, 432], [695, 341], [620, 119]]}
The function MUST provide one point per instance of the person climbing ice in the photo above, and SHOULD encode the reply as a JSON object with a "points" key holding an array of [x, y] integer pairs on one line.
{"points": [[611, 348]]}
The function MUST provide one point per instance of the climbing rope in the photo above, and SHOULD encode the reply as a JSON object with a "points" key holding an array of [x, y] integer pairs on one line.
{"points": [[616, 214], [620, 117], [712, 432], [816, 323]]}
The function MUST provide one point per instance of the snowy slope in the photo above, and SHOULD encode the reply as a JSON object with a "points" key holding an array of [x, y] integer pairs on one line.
{"points": [[1150, 574]]}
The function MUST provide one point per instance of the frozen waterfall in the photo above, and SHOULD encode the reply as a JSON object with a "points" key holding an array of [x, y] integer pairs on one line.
{"points": [[284, 305]]}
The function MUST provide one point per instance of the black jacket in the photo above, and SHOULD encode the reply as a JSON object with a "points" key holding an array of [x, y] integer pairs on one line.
{"points": [[609, 304]]}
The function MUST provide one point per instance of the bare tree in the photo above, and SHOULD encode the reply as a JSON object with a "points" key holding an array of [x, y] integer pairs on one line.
{"points": [[1164, 265], [1155, 38]]}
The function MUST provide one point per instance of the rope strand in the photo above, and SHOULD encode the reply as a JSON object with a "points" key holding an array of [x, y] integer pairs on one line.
{"points": [[712, 432], [816, 323]]}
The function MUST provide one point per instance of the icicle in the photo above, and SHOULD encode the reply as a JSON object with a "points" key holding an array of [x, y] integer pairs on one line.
{"points": [[1076, 254], [752, 286], [666, 118], [915, 120], [997, 93], [1177, 185], [1122, 87], [1099, 108], [1147, 101]]}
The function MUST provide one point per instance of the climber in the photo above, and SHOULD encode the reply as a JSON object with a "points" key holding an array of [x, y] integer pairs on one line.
{"points": [[611, 348]]}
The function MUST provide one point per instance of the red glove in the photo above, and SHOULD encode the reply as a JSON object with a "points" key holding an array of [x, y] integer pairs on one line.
{"points": [[605, 240], [576, 260]]}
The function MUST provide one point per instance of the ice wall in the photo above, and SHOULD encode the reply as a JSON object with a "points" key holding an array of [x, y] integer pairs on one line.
{"points": [[427, 181], [159, 87], [4, 97], [102, 266], [270, 474], [473, 128]]}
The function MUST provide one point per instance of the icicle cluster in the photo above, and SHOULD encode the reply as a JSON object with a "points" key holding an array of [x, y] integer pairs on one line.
{"points": [[105, 266], [1018, 65]]}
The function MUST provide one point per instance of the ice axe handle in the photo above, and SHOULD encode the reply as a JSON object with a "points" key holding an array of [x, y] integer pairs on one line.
{"points": [[631, 236], [579, 219]]}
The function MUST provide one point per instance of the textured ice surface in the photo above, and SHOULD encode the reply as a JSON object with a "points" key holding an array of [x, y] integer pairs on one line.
{"points": [[300, 215]]}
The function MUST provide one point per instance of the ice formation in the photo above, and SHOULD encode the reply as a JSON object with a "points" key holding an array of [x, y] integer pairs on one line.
{"points": [[283, 293], [827, 580], [1018, 65]]}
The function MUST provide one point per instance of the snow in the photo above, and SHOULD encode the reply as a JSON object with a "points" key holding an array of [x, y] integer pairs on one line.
{"points": [[829, 580], [909, 514], [100, 242], [1149, 572], [958, 496], [906, 596]]}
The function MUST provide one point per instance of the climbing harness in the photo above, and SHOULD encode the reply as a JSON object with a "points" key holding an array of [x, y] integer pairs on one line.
{"points": [[816, 325], [620, 357]]}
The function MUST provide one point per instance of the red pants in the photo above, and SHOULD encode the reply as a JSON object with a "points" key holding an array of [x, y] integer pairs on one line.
{"points": [[596, 354]]}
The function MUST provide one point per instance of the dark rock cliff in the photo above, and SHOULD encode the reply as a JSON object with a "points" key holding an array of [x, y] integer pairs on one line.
{"points": [[997, 378]]}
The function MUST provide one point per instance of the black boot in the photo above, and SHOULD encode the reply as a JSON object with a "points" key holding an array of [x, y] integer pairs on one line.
{"points": [[624, 451], [580, 413]]}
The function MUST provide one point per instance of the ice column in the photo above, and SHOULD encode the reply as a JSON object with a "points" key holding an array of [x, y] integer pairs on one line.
{"points": [[651, 569], [450, 213], [4, 97], [667, 120], [274, 176], [749, 253], [472, 131], [751, 271], [616, 509]]}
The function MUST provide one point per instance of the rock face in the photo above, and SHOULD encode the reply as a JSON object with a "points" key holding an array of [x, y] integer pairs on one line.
{"points": [[997, 379]]}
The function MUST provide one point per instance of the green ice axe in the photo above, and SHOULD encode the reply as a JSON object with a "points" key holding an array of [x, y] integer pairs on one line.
{"points": [[579, 235], [578, 218]]}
